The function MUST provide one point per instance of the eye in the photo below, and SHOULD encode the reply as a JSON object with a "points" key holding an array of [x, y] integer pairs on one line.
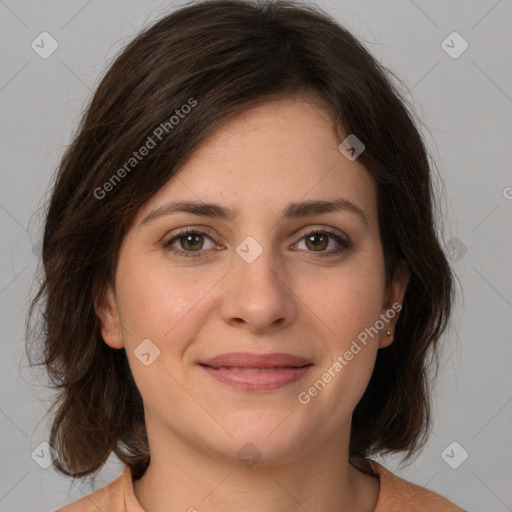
{"points": [[318, 240], [189, 241]]}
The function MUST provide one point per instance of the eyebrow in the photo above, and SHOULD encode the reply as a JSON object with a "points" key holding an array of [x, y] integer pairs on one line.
{"points": [[292, 211]]}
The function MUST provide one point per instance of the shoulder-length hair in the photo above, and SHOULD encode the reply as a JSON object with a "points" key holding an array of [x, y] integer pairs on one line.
{"points": [[221, 57]]}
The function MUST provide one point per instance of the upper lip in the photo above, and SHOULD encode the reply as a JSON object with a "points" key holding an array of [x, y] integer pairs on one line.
{"points": [[248, 360]]}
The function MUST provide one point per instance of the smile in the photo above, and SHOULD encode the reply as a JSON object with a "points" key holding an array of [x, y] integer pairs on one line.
{"points": [[257, 372]]}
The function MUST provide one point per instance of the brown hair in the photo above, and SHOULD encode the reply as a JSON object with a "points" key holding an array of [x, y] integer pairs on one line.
{"points": [[226, 56]]}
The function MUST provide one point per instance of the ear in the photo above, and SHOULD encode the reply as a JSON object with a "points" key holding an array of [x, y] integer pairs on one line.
{"points": [[392, 304], [107, 312]]}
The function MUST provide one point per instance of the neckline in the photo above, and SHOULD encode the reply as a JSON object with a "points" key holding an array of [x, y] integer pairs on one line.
{"points": [[367, 466], [372, 468]]}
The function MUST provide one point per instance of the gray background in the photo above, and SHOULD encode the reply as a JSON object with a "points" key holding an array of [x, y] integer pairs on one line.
{"points": [[465, 104]]}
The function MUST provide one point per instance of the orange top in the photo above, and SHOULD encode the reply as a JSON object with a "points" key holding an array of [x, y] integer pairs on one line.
{"points": [[395, 494]]}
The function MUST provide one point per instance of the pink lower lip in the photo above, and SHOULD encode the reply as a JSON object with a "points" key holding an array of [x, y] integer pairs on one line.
{"points": [[257, 380]]}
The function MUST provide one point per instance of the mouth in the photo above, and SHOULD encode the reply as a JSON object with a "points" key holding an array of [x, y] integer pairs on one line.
{"points": [[256, 372]]}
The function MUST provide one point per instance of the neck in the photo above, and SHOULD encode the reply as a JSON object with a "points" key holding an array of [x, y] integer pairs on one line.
{"points": [[181, 477]]}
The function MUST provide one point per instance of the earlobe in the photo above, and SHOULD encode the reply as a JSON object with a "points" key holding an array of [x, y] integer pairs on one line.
{"points": [[106, 310], [386, 338], [395, 294]]}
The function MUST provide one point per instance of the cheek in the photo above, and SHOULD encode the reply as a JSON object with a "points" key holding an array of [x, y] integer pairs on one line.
{"points": [[345, 303], [161, 305], [157, 300]]}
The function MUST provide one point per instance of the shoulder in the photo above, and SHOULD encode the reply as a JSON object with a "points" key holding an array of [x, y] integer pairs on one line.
{"points": [[109, 498], [399, 494]]}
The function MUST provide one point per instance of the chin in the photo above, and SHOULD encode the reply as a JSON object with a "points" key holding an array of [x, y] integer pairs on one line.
{"points": [[263, 440]]}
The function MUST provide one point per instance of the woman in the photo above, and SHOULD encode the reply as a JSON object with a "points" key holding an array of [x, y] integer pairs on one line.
{"points": [[243, 288]]}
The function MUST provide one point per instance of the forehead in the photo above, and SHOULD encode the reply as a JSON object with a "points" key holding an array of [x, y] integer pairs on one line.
{"points": [[268, 156]]}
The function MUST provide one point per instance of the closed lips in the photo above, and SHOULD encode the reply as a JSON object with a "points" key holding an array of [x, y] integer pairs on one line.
{"points": [[249, 361], [256, 373], [253, 370]]}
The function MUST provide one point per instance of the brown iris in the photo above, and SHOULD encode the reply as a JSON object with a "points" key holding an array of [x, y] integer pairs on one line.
{"points": [[193, 241], [315, 243]]}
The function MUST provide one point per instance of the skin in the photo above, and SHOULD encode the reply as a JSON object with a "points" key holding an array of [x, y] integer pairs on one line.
{"points": [[290, 299]]}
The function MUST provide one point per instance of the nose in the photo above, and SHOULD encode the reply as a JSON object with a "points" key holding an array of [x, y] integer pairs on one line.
{"points": [[259, 295]]}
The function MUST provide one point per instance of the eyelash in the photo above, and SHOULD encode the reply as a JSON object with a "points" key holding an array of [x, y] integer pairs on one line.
{"points": [[344, 244]]}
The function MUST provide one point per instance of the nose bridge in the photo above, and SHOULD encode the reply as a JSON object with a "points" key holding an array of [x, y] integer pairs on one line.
{"points": [[257, 267], [257, 294]]}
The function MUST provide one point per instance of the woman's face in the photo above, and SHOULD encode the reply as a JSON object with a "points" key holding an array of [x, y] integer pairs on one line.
{"points": [[249, 279]]}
